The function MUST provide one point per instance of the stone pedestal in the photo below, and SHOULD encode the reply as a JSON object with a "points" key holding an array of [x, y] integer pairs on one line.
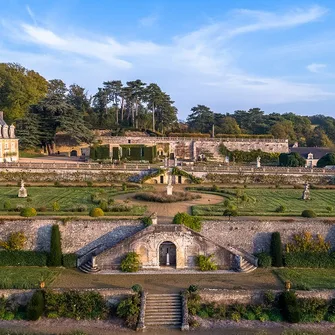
{"points": [[154, 218], [169, 189]]}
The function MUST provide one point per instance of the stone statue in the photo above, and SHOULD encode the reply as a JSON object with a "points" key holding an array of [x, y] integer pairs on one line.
{"points": [[22, 191], [306, 193], [169, 187], [258, 162]]}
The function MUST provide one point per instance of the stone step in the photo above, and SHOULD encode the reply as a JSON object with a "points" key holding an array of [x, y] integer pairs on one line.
{"points": [[163, 318], [162, 312], [163, 324]]}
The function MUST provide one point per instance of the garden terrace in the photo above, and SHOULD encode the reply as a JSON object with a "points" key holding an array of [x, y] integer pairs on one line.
{"points": [[265, 202]]}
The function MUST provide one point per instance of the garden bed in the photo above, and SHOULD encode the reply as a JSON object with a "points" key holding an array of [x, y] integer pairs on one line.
{"points": [[164, 198]]}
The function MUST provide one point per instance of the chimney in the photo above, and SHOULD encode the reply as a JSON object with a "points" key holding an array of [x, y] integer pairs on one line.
{"points": [[1, 115]]}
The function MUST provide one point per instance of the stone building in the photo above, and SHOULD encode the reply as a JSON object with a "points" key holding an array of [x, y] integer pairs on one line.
{"points": [[9, 144], [311, 154]]}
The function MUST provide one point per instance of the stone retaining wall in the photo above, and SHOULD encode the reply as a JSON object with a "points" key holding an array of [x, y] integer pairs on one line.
{"points": [[255, 235], [78, 236], [230, 297]]}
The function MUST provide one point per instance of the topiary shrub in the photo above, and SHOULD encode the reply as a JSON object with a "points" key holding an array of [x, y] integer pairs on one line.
{"points": [[96, 212], [131, 262], [276, 250], [28, 212], [104, 205], [289, 307], [281, 209], [69, 260], [35, 306], [308, 213], [187, 220], [264, 260], [55, 256], [206, 263], [137, 288], [55, 206]]}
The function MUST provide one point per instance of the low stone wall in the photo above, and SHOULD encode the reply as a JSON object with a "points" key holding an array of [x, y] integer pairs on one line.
{"points": [[78, 236], [229, 297], [255, 235]]}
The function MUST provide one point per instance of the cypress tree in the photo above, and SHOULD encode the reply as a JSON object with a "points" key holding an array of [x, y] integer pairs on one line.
{"points": [[55, 256], [276, 250]]}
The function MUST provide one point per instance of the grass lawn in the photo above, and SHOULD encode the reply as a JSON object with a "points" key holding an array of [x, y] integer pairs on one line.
{"points": [[265, 202], [69, 198], [26, 277], [310, 278], [171, 282]]}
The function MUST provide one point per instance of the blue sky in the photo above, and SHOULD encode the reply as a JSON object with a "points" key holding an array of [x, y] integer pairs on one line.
{"points": [[229, 55]]}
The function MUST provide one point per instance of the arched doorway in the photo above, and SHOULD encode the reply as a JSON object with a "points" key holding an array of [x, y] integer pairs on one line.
{"points": [[167, 254]]}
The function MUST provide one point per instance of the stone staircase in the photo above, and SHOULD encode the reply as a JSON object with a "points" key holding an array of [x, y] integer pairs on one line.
{"points": [[163, 311], [89, 268], [246, 267]]}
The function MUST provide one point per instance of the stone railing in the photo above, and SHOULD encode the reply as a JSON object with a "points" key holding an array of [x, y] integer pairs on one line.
{"points": [[140, 324], [243, 254], [184, 318]]}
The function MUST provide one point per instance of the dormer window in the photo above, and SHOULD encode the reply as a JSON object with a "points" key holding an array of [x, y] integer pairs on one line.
{"points": [[310, 156]]}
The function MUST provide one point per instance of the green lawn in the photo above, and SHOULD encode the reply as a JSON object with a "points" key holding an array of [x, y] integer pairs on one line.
{"points": [[265, 202], [26, 277], [69, 199], [310, 278]]}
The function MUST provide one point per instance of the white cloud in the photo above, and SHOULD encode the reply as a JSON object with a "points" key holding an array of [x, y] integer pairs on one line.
{"points": [[316, 67], [31, 14], [148, 21]]}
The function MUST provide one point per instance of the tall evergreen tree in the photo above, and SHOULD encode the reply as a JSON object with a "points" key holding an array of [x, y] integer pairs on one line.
{"points": [[55, 256], [276, 250]]}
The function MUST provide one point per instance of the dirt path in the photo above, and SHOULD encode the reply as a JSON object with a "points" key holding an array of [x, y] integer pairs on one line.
{"points": [[169, 210]]}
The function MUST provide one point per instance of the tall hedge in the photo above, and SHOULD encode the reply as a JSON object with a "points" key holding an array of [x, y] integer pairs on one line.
{"points": [[23, 258], [276, 250], [55, 256]]}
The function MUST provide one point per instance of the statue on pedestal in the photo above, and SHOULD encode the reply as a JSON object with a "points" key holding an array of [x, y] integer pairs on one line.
{"points": [[22, 191], [258, 162], [306, 193], [169, 187]]}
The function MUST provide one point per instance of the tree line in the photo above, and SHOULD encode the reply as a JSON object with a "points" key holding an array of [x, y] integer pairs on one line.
{"points": [[317, 130], [40, 108]]}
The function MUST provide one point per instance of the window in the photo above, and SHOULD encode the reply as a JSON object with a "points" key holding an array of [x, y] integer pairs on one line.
{"points": [[129, 141], [179, 179], [6, 145], [161, 178]]}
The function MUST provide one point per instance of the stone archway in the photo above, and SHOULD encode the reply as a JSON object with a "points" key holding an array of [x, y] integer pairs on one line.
{"points": [[167, 254]]}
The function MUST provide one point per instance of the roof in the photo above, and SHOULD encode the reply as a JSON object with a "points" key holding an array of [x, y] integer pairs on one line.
{"points": [[317, 152], [2, 121]]}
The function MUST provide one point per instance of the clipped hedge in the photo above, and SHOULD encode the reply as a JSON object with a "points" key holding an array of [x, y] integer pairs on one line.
{"points": [[308, 213], [69, 260], [264, 260], [23, 258], [187, 220], [310, 259], [28, 212]]}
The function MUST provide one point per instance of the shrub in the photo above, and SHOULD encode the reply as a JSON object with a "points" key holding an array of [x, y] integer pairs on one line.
{"points": [[306, 242], [264, 260], [276, 250], [192, 288], [55, 206], [28, 212], [313, 309], [187, 220], [15, 241], [137, 288], [129, 309], [330, 209], [308, 213], [104, 205], [69, 260], [55, 256], [35, 306], [206, 263], [289, 306], [193, 302], [131, 262], [147, 221], [230, 212], [7, 205], [96, 212], [89, 183], [23, 258], [76, 305], [310, 259], [281, 209], [164, 198]]}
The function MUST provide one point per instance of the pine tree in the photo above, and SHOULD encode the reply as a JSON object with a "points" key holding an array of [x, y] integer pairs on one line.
{"points": [[55, 256], [276, 250]]}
